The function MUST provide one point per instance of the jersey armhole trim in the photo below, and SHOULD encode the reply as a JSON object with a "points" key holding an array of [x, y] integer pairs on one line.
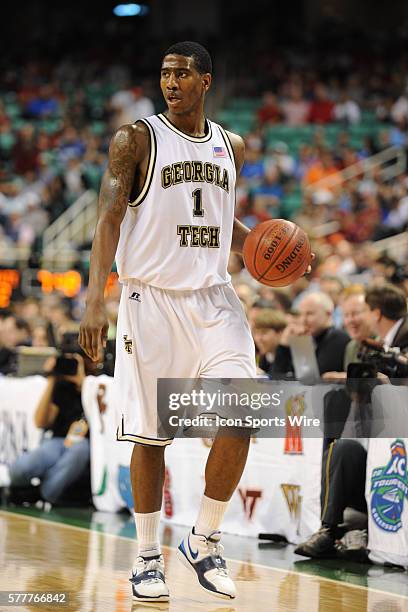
{"points": [[150, 166], [228, 145]]}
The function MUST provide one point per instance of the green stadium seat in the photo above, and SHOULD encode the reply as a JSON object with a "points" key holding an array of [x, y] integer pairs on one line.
{"points": [[12, 109], [251, 104], [7, 141]]}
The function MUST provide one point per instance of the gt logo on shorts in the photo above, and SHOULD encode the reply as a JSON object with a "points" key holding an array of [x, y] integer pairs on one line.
{"points": [[128, 345]]}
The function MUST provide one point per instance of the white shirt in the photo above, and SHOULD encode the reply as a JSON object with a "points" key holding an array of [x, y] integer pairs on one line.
{"points": [[390, 336]]}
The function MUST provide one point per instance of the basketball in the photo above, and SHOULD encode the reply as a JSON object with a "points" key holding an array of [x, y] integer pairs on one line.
{"points": [[277, 252]]}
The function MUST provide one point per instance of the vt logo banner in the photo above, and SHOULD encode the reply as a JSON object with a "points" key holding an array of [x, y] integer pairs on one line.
{"points": [[389, 488]]}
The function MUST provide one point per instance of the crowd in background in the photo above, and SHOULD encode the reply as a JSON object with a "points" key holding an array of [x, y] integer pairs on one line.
{"points": [[56, 121], [338, 270], [57, 117]]}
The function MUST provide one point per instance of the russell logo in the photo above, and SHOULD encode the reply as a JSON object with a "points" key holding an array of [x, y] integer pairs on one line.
{"points": [[135, 297], [389, 488]]}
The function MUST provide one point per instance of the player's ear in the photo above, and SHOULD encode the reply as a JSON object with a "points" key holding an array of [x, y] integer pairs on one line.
{"points": [[207, 81]]}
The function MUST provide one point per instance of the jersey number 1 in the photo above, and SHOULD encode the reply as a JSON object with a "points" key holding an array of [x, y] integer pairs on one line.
{"points": [[198, 210]]}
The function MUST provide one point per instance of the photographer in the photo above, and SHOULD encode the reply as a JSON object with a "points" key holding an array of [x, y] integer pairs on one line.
{"points": [[63, 455], [344, 461]]}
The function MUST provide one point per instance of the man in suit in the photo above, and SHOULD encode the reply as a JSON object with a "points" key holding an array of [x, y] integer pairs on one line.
{"points": [[388, 314], [315, 319]]}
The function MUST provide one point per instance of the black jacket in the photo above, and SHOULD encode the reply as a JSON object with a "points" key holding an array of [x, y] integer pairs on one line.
{"points": [[330, 347], [401, 339]]}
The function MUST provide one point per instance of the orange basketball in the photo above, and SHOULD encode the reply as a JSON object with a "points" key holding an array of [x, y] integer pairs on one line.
{"points": [[277, 252]]}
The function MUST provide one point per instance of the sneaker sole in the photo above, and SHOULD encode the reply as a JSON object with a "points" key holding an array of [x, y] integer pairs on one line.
{"points": [[188, 565], [156, 600], [316, 555]]}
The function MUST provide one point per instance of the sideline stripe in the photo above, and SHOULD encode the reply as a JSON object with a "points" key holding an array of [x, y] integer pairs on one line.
{"points": [[267, 567]]}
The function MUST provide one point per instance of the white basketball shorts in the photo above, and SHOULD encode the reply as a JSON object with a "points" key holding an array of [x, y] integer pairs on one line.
{"points": [[174, 334]]}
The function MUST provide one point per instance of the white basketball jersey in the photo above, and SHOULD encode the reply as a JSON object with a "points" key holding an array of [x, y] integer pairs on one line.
{"points": [[177, 233]]}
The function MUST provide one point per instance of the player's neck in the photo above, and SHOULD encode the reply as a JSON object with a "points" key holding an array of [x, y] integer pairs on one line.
{"points": [[191, 123]]}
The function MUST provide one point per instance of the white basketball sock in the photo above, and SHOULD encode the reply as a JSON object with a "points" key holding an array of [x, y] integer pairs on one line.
{"points": [[210, 516], [147, 533]]}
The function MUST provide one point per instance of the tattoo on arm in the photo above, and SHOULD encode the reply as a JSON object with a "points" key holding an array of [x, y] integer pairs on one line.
{"points": [[124, 155]]}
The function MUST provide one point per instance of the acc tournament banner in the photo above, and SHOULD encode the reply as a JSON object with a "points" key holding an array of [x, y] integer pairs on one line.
{"points": [[110, 476], [387, 482], [279, 492]]}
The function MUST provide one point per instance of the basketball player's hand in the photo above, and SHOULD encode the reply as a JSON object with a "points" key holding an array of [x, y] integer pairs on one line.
{"points": [[309, 268], [93, 331]]}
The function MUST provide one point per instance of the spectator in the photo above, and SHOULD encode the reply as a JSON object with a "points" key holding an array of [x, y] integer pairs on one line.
{"points": [[130, 106], [347, 111], [44, 105], [388, 314], [14, 332], [267, 196], [268, 327], [278, 155], [315, 319], [25, 151], [333, 286], [253, 169], [357, 324], [399, 110], [343, 479], [71, 145], [295, 109], [40, 336], [322, 108], [356, 321], [322, 167], [61, 459], [270, 111]]}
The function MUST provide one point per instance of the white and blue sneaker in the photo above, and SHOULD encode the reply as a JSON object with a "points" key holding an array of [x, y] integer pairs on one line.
{"points": [[148, 580], [203, 556]]}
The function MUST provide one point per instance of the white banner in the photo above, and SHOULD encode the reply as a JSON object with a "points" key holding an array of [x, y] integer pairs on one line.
{"points": [[279, 491], [19, 398], [387, 481]]}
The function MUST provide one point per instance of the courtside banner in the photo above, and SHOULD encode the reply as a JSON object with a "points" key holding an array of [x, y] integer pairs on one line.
{"points": [[197, 408]]}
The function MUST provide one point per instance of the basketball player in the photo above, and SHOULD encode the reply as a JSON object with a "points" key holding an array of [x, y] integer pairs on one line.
{"points": [[166, 208]]}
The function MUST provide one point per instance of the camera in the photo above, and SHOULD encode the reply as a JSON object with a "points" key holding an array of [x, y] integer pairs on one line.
{"points": [[385, 359], [66, 364], [375, 357]]}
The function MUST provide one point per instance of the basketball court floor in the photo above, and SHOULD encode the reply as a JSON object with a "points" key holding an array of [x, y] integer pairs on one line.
{"points": [[88, 555]]}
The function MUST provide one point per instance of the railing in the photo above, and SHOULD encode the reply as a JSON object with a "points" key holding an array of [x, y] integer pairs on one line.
{"points": [[72, 228], [365, 167], [395, 246]]}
